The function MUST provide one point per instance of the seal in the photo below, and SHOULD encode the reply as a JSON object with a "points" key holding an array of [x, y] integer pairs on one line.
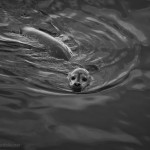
{"points": [[79, 79]]}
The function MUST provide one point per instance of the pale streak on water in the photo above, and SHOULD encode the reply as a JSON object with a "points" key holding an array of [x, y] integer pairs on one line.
{"points": [[34, 115]]}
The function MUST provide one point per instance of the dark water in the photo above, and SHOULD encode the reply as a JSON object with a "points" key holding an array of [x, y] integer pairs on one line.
{"points": [[38, 110]]}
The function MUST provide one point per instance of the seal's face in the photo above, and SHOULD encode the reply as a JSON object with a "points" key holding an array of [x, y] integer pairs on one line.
{"points": [[79, 79]]}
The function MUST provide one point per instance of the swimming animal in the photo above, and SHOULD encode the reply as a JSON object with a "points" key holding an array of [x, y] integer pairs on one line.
{"points": [[79, 78]]}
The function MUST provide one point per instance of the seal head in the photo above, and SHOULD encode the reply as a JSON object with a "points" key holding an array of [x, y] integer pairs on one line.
{"points": [[79, 79]]}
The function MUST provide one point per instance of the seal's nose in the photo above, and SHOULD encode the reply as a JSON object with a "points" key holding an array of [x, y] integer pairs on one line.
{"points": [[77, 84], [77, 87]]}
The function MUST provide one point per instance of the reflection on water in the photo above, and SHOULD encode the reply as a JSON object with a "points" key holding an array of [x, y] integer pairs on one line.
{"points": [[37, 109]]}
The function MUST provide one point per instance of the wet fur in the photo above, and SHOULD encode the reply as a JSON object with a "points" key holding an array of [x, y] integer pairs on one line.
{"points": [[78, 72]]}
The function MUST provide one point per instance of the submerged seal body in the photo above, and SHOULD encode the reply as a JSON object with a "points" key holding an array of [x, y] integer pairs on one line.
{"points": [[60, 49], [78, 78]]}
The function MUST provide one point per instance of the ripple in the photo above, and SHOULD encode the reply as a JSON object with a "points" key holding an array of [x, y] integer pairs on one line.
{"points": [[97, 39]]}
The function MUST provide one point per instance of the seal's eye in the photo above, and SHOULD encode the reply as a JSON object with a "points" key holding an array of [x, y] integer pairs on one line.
{"points": [[73, 78], [84, 79]]}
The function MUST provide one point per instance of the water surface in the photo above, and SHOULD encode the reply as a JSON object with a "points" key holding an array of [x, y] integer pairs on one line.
{"points": [[39, 111]]}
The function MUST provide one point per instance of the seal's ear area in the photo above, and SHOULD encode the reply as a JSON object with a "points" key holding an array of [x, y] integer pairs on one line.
{"points": [[91, 79], [69, 75]]}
